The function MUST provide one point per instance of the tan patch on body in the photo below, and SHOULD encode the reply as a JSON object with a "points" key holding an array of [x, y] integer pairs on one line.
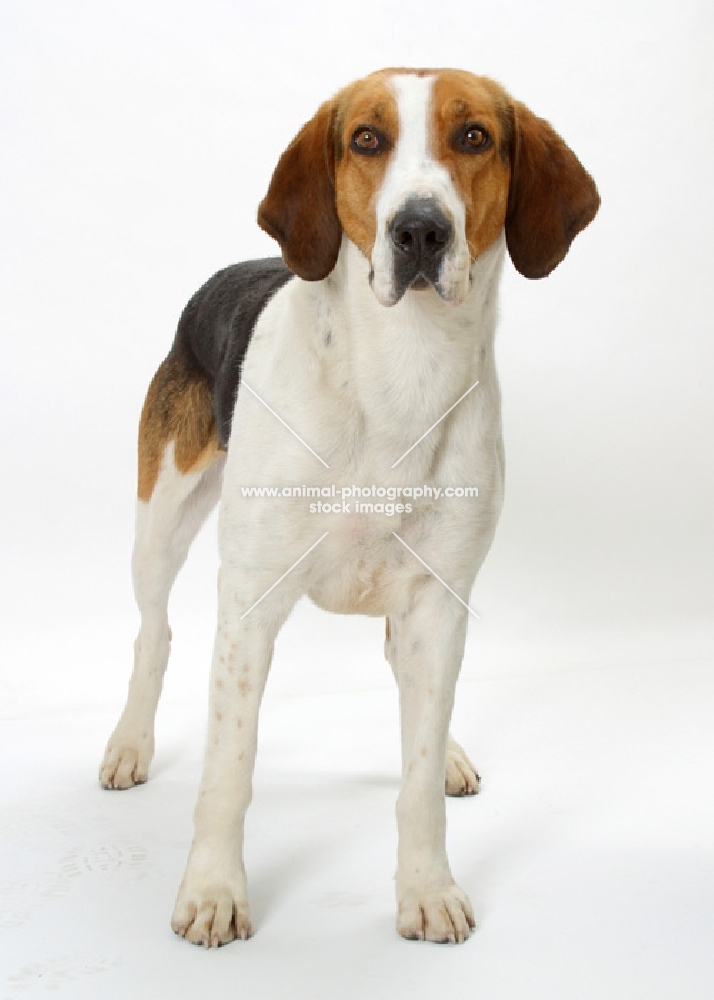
{"points": [[481, 178], [178, 408]]}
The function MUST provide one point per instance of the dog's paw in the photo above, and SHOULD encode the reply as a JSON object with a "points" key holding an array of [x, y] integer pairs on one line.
{"points": [[213, 916], [126, 763], [442, 915], [461, 776]]}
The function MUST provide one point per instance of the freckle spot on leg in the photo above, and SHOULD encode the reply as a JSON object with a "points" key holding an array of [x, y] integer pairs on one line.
{"points": [[244, 688], [239, 722], [423, 751], [241, 756], [234, 647], [219, 683], [219, 716], [245, 669], [231, 670]]}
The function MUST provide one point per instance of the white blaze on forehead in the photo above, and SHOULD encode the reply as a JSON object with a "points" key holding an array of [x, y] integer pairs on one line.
{"points": [[414, 172], [413, 95], [412, 166]]}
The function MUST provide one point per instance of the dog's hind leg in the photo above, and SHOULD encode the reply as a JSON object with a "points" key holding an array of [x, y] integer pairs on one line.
{"points": [[180, 473], [461, 776]]}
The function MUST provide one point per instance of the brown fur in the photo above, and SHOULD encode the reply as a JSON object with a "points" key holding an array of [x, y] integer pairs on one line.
{"points": [[529, 180], [552, 197], [359, 178], [481, 178], [318, 189], [178, 408], [299, 209]]}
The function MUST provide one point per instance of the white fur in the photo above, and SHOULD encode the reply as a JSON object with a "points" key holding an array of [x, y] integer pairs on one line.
{"points": [[360, 397], [360, 402], [413, 171], [165, 527]]}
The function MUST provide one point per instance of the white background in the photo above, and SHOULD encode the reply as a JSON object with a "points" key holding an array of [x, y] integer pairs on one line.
{"points": [[137, 140]]}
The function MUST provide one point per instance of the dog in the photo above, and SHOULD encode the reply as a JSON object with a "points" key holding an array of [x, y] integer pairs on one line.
{"points": [[364, 356]]}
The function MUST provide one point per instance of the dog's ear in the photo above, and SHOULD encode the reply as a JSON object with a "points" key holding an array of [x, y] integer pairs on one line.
{"points": [[551, 197], [299, 208]]}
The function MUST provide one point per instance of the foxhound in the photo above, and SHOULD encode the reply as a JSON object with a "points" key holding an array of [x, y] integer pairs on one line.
{"points": [[364, 356]]}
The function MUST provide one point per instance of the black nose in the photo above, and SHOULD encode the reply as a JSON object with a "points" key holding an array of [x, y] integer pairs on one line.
{"points": [[420, 230]]}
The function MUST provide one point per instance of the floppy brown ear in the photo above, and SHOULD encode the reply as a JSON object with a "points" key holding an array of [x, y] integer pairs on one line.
{"points": [[551, 197], [299, 208]]}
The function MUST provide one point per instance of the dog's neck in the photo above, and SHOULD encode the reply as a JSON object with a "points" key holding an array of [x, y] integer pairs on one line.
{"points": [[416, 356], [402, 367]]}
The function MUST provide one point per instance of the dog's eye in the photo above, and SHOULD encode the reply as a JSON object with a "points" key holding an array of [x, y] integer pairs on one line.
{"points": [[366, 140], [475, 139]]}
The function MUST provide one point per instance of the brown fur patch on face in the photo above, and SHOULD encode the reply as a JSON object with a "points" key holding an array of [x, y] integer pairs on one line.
{"points": [[482, 179], [358, 177], [178, 408]]}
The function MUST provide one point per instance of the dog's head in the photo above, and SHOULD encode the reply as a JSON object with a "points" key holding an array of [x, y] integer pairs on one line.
{"points": [[422, 170]]}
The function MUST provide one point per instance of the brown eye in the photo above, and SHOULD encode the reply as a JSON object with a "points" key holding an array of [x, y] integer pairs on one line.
{"points": [[366, 140], [474, 139]]}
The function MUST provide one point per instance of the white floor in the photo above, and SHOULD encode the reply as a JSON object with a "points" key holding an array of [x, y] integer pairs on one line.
{"points": [[589, 854]]}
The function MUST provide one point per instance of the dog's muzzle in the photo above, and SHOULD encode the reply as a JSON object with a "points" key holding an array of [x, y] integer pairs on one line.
{"points": [[420, 235]]}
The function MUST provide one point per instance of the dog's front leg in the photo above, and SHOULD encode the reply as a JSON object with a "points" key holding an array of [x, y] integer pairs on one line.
{"points": [[212, 905], [430, 906]]}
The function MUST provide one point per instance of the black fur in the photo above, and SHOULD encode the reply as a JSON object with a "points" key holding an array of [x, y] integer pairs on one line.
{"points": [[217, 324]]}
